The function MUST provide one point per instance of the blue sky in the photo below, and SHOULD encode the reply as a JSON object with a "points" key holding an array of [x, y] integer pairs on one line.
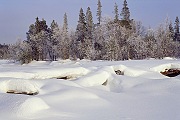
{"points": [[17, 15]]}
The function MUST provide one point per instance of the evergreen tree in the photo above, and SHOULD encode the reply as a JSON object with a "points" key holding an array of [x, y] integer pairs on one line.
{"points": [[80, 34], [116, 18], [112, 48], [150, 43], [168, 41], [137, 47], [99, 42], [81, 27], [20, 51], [176, 28], [65, 26], [40, 25], [164, 41], [177, 25], [54, 41], [4, 53], [171, 30], [38, 37], [65, 42], [89, 34], [37, 25], [42, 39], [89, 20], [31, 39], [99, 12], [125, 13]]}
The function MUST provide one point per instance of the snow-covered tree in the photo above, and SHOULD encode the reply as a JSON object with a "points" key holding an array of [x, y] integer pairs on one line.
{"points": [[116, 13], [138, 28], [125, 13], [65, 42], [99, 42], [150, 43], [171, 30], [4, 53], [65, 26], [89, 33], [90, 24], [54, 41], [73, 48], [137, 49], [112, 48], [99, 11], [20, 51], [81, 27], [80, 34], [38, 37], [164, 41], [176, 28], [176, 25], [31, 39]]}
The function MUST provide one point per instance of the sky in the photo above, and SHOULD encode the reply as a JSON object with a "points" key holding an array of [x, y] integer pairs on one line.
{"points": [[17, 15]]}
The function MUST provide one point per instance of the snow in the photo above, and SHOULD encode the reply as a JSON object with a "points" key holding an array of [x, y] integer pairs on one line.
{"points": [[141, 93], [18, 86]]}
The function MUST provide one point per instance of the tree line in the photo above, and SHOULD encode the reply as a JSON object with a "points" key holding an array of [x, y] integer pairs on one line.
{"points": [[108, 39]]}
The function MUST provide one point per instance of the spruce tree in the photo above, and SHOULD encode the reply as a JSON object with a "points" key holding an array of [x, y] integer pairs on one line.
{"points": [[171, 30], [65, 43], [54, 41], [42, 37], [125, 13], [116, 18], [89, 34], [37, 25], [177, 25], [176, 28], [89, 20], [99, 12], [81, 27], [80, 34], [31, 39], [65, 26]]}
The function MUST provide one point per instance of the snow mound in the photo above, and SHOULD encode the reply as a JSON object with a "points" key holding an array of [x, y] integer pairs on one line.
{"points": [[9, 104], [119, 67], [18, 86], [45, 73], [132, 72], [38, 63], [93, 79], [31, 106], [69, 95], [60, 72], [169, 58], [61, 62], [96, 78], [162, 67], [128, 71], [18, 74]]}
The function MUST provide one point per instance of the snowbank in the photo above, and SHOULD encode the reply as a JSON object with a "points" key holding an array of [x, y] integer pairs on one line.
{"points": [[162, 67], [31, 106], [18, 86]]}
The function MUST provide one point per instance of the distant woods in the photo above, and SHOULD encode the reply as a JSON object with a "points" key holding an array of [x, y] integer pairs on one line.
{"points": [[116, 38]]}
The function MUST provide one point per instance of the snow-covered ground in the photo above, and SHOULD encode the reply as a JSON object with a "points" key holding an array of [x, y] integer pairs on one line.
{"points": [[142, 93]]}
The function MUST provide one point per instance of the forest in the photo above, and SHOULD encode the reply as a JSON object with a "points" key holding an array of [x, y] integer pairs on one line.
{"points": [[111, 38]]}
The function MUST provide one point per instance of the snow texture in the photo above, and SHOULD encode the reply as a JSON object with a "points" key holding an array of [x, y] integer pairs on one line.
{"points": [[141, 93]]}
